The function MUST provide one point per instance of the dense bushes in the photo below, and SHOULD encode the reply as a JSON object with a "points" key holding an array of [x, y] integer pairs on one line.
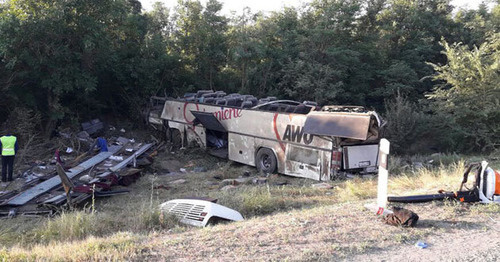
{"points": [[74, 60]]}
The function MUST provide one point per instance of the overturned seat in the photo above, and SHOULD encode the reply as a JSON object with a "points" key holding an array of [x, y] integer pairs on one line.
{"points": [[246, 104], [220, 101]]}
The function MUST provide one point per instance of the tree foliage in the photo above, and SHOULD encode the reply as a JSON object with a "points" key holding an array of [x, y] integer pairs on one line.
{"points": [[469, 92], [71, 60]]}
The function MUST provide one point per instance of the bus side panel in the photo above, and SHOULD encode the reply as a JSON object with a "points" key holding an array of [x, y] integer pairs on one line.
{"points": [[303, 162], [177, 126], [241, 149], [196, 135]]}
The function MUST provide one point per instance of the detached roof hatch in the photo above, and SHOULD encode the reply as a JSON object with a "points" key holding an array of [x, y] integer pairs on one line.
{"points": [[340, 125], [208, 120]]}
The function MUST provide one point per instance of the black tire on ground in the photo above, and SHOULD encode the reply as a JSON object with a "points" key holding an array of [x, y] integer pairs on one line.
{"points": [[265, 160]]}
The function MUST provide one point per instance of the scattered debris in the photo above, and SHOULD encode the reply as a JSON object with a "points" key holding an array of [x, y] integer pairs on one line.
{"points": [[85, 178], [199, 212], [421, 244], [228, 187], [259, 180], [170, 165], [418, 165], [401, 217], [143, 161], [178, 181], [236, 181], [131, 158], [200, 169], [122, 140], [322, 186], [41, 192], [280, 183], [116, 158], [93, 126], [83, 135], [163, 172], [161, 187], [45, 186], [242, 180]]}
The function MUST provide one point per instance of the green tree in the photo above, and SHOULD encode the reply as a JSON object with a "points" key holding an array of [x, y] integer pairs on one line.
{"points": [[468, 92], [410, 32], [327, 57], [52, 49], [201, 39]]}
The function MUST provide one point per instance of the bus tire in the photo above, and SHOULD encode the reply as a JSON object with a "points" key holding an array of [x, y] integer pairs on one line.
{"points": [[266, 161]]}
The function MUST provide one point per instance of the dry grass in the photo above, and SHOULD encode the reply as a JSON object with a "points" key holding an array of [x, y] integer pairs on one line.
{"points": [[289, 222], [428, 180], [119, 246]]}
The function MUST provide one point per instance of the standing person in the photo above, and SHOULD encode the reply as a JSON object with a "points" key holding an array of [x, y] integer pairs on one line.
{"points": [[8, 146]]}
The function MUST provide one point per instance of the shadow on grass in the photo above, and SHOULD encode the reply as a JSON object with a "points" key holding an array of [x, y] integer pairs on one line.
{"points": [[435, 223]]}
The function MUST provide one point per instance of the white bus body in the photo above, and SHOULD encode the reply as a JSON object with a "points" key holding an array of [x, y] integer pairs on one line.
{"points": [[275, 137]]}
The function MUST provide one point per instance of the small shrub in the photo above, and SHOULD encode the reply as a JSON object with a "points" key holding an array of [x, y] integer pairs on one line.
{"points": [[117, 247], [252, 201], [165, 220], [485, 209], [68, 226], [403, 118], [428, 179], [24, 123]]}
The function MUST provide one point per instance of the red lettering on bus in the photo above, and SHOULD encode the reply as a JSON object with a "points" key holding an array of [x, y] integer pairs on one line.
{"points": [[228, 113], [185, 117]]}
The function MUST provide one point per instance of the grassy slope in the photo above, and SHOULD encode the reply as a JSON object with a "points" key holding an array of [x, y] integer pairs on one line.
{"points": [[294, 221]]}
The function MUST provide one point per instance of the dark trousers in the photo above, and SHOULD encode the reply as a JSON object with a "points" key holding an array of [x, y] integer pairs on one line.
{"points": [[7, 166]]}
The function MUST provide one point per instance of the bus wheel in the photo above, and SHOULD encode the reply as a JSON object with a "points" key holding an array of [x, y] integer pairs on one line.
{"points": [[266, 161]]}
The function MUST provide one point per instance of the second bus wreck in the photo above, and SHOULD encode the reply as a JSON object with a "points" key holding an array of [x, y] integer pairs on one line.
{"points": [[284, 136]]}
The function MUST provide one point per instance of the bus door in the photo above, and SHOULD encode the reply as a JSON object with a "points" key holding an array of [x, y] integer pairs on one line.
{"points": [[216, 134]]}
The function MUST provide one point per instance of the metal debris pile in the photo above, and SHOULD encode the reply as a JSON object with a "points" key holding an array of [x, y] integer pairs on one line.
{"points": [[69, 180]]}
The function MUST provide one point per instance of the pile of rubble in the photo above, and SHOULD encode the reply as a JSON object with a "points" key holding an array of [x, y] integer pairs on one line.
{"points": [[70, 179]]}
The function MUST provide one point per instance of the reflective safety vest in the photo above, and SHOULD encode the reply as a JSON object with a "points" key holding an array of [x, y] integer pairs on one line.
{"points": [[8, 145]]}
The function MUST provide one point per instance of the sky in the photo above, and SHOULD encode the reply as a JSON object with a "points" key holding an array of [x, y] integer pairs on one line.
{"points": [[274, 5]]}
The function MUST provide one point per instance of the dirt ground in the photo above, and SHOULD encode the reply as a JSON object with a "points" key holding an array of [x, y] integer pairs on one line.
{"points": [[339, 231], [342, 232]]}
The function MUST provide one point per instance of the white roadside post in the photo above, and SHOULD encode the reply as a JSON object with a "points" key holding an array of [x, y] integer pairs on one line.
{"points": [[383, 176]]}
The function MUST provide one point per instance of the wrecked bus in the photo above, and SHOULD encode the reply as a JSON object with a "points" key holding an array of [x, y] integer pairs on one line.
{"points": [[289, 137]]}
